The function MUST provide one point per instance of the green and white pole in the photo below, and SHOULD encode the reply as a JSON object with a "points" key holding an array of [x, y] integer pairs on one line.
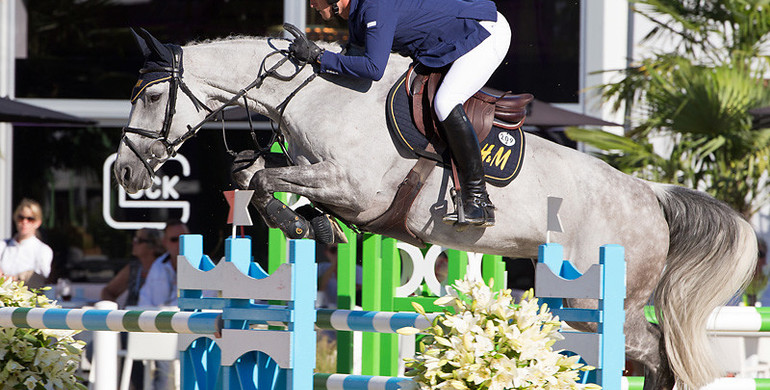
{"points": [[637, 383]]}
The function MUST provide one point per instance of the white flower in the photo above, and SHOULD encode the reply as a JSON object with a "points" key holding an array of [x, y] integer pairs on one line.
{"points": [[31, 357], [488, 343]]}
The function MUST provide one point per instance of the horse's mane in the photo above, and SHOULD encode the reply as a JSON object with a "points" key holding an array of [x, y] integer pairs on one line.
{"points": [[247, 38], [230, 38]]}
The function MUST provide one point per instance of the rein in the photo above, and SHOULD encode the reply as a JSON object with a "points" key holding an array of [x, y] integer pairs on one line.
{"points": [[176, 81]]}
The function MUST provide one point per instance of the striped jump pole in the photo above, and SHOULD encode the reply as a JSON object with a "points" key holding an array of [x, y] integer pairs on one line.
{"points": [[361, 382], [371, 321], [111, 320], [637, 383], [336, 319]]}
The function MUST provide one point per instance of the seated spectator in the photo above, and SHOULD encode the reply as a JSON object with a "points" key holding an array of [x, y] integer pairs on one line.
{"points": [[160, 287], [146, 247], [327, 277]]}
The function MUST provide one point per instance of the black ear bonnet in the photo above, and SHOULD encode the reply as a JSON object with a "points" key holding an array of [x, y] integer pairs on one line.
{"points": [[161, 61]]}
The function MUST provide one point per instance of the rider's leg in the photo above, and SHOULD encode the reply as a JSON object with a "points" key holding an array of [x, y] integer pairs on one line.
{"points": [[467, 75]]}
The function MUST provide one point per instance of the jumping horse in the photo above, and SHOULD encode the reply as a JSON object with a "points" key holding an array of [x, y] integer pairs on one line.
{"points": [[686, 252]]}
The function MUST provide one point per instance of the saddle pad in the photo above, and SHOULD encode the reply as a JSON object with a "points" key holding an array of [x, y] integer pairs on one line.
{"points": [[502, 150]]}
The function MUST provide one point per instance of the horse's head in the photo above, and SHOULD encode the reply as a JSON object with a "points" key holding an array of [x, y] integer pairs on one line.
{"points": [[159, 122]]}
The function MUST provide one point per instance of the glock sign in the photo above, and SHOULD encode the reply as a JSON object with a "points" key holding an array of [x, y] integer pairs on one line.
{"points": [[163, 194]]}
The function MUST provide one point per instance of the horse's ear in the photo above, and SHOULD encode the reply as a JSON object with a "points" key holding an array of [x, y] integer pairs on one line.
{"points": [[149, 44], [141, 42]]}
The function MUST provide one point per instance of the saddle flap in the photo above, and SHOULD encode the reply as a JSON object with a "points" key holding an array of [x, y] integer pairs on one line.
{"points": [[501, 149]]}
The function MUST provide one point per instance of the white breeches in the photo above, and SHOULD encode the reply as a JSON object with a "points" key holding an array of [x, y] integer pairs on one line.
{"points": [[472, 70]]}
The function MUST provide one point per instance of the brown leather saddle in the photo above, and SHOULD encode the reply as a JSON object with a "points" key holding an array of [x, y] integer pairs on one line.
{"points": [[487, 108]]}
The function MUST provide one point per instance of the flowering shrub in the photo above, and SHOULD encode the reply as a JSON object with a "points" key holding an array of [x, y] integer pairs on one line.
{"points": [[489, 343], [36, 358]]}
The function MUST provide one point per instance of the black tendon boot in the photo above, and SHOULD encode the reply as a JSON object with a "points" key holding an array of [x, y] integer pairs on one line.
{"points": [[462, 140]]}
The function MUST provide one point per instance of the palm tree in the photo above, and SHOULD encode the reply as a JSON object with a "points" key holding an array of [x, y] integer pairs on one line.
{"points": [[698, 97]]}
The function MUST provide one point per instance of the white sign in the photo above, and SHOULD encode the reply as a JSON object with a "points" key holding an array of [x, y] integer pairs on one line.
{"points": [[162, 195], [421, 268]]}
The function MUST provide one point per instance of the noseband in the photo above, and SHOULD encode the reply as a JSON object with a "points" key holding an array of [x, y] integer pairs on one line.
{"points": [[175, 80]]}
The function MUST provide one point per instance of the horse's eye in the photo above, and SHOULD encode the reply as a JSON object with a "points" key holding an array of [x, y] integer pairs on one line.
{"points": [[153, 98]]}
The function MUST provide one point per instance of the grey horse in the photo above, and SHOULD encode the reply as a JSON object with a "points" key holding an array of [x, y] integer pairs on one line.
{"points": [[686, 252]]}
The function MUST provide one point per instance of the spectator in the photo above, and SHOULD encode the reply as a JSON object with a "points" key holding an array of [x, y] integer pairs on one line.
{"points": [[160, 287], [327, 277], [24, 257], [146, 247]]}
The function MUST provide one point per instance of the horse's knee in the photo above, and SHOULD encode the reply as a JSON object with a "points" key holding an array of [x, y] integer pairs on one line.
{"points": [[259, 183], [245, 165]]}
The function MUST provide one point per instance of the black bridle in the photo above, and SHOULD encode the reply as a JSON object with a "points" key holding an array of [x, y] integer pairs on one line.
{"points": [[176, 82]]}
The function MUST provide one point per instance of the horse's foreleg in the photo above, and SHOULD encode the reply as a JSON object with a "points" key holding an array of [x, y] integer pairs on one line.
{"points": [[322, 183], [247, 163]]}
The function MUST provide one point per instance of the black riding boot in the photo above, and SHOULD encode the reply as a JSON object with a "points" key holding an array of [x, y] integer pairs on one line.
{"points": [[462, 141]]}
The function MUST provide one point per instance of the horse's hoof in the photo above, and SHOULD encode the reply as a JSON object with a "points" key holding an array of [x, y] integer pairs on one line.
{"points": [[323, 231], [322, 227]]}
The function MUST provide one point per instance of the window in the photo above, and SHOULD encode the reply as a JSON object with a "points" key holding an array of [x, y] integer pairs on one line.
{"points": [[544, 57]]}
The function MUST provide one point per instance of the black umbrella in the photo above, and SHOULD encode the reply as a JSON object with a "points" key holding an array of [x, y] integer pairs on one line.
{"points": [[549, 122], [543, 115], [26, 114]]}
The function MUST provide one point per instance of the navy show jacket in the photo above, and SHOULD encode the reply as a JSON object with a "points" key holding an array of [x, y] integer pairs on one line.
{"points": [[433, 32]]}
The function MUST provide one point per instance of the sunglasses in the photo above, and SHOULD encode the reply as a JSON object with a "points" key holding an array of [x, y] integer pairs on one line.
{"points": [[140, 240], [26, 218]]}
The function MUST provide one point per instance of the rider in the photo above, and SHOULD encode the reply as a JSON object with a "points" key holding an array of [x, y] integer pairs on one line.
{"points": [[468, 34]]}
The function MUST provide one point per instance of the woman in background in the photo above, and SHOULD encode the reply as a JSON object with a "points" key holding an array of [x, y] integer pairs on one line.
{"points": [[146, 247], [24, 257]]}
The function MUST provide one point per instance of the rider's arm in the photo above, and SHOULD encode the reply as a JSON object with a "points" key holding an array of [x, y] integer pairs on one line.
{"points": [[380, 29]]}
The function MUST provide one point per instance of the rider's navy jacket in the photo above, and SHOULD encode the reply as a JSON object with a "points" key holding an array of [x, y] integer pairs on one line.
{"points": [[433, 32]]}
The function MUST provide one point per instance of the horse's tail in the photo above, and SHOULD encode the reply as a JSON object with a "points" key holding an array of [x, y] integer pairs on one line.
{"points": [[712, 255]]}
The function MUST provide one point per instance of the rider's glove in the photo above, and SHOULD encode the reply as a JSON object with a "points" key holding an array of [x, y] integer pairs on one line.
{"points": [[303, 49]]}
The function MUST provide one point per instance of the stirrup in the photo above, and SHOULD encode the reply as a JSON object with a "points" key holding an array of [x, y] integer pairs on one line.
{"points": [[452, 219], [458, 219]]}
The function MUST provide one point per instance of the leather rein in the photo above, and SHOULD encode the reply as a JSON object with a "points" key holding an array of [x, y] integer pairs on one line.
{"points": [[176, 82]]}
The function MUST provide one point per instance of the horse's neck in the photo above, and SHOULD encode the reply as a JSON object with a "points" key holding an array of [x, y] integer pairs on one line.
{"points": [[222, 68], [315, 116]]}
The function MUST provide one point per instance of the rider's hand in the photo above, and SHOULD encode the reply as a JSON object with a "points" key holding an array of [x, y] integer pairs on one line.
{"points": [[301, 48]]}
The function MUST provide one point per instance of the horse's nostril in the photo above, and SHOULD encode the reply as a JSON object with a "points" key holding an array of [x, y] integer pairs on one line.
{"points": [[126, 174]]}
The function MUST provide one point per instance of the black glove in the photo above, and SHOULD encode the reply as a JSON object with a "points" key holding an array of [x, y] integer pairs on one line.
{"points": [[302, 49]]}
